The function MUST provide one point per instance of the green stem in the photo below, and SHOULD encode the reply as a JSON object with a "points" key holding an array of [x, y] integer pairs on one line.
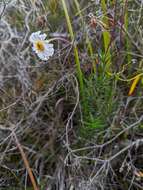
{"points": [[89, 45], [76, 54], [106, 35]]}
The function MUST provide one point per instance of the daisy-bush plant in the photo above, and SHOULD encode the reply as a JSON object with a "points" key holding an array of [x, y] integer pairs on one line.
{"points": [[41, 46]]}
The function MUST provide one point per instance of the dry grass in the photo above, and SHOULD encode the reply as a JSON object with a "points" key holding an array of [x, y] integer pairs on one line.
{"points": [[51, 138]]}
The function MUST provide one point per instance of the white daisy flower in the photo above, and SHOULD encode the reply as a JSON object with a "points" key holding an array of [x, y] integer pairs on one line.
{"points": [[41, 46]]}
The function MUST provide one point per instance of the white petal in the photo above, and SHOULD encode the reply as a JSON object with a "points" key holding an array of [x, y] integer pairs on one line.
{"points": [[48, 44], [50, 52], [49, 48], [37, 36], [43, 36], [43, 56], [47, 53], [34, 36]]}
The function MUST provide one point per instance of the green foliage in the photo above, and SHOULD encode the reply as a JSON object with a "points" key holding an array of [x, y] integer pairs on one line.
{"points": [[99, 101]]}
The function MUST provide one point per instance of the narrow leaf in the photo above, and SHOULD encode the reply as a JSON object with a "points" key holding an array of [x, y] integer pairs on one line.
{"points": [[134, 84]]}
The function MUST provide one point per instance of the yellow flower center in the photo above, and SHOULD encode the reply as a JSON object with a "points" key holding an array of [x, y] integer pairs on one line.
{"points": [[40, 46]]}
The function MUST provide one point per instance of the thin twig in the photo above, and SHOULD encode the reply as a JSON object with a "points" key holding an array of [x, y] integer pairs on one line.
{"points": [[25, 162]]}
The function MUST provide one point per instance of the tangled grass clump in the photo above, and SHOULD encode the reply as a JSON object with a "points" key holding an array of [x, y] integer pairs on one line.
{"points": [[73, 121]]}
